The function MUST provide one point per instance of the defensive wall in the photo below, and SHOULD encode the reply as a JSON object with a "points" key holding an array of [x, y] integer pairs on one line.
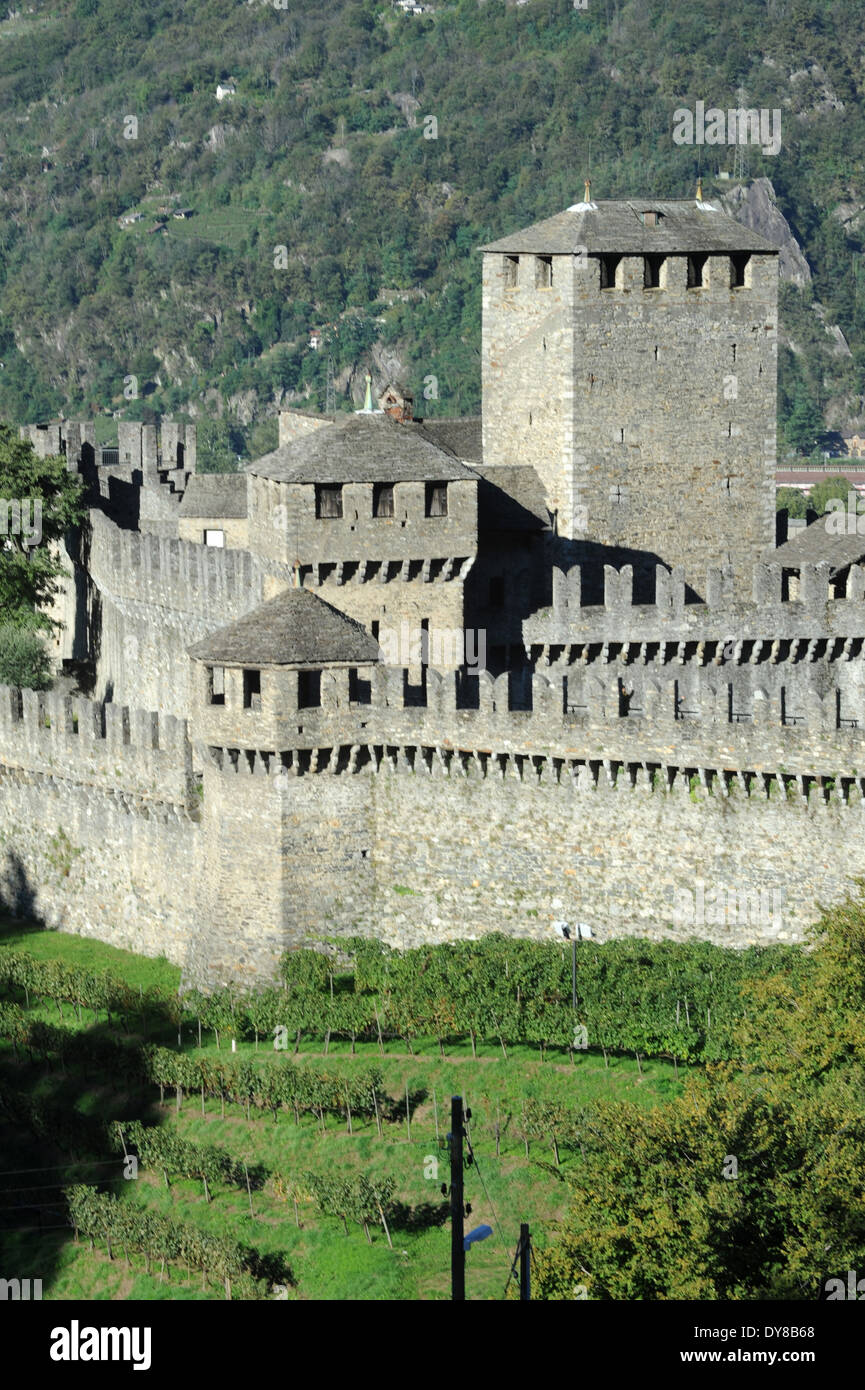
{"points": [[418, 824], [99, 821]]}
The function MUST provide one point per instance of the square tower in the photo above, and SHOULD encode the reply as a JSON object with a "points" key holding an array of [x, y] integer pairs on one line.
{"points": [[630, 357]]}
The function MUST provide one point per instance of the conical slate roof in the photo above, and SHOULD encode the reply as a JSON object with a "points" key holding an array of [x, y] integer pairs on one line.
{"points": [[609, 227], [367, 449], [297, 628]]}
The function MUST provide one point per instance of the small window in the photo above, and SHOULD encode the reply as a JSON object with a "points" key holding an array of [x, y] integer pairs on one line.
{"points": [[436, 499], [328, 501], [214, 538], [543, 272], [609, 269], [697, 272], [651, 217], [652, 272], [216, 685], [739, 264], [308, 689], [510, 270], [382, 499], [359, 689], [252, 690], [497, 591]]}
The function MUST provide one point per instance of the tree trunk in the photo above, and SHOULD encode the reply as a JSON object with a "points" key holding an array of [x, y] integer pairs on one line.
{"points": [[384, 1223]]}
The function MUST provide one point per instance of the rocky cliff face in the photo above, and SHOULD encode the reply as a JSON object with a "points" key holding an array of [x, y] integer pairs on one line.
{"points": [[755, 207]]}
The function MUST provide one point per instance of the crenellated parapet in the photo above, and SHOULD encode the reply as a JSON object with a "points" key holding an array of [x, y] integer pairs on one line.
{"points": [[214, 583], [97, 745], [805, 604], [712, 722]]}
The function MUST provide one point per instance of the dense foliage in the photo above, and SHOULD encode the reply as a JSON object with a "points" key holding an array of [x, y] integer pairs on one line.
{"points": [[24, 659], [39, 502], [678, 1000], [111, 109], [751, 1185]]}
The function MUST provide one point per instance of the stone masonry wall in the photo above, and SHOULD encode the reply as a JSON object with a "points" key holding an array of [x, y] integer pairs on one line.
{"points": [[98, 821]]}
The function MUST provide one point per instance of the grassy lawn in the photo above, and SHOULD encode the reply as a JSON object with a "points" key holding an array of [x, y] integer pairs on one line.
{"points": [[325, 1262], [86, 954]]}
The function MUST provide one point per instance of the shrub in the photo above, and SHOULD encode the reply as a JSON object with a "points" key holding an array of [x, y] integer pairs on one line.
{"points": [[24, 659]]}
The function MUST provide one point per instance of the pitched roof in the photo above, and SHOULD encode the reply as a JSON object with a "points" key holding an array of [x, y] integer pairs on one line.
{"points": [[511, 498], [214, 495], [814, 545], [461, 437], [368, 449], [685, 225], [297, 628]]}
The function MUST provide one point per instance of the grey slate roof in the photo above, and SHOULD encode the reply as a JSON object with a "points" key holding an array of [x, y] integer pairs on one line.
{"points": [[814, 545], [297, 628], [214, 495], [617, 227], [368, 449], [461, 437], [511, 498]]}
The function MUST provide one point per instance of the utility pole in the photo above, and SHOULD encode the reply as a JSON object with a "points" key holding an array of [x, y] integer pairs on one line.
{"points": [[458, 1254], [525, 1263]]}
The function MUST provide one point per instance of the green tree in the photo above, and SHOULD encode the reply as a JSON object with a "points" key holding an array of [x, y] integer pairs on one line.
{"points": [[24, 659], [39, 502], [219, 443], [829, 487], [793, 500]]}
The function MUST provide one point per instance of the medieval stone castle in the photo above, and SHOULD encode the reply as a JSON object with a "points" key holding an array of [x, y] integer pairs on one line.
{"points": [[662, 701]]}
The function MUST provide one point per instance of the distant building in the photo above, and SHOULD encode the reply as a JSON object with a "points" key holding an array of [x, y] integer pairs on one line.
{"points": [[182, 213], [225, 89], [315, 340], [854, 445]]}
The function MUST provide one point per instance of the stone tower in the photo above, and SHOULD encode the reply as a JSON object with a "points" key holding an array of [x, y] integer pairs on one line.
{"points": [[630, 357]]}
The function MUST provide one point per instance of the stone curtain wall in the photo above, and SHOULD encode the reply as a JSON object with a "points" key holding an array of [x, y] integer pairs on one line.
{"points": [[433, 824], [155, 598], [457, 857], [98, 821]]}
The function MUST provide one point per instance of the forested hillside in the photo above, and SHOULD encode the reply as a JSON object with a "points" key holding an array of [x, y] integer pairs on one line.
{"points": [[318, 184]]}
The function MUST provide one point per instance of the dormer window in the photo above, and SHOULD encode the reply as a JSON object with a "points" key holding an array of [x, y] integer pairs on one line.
{"points": [[252, 690], [382, 499], [436, 499], [510, 271], [697, 278], [328, 501], [651, 217], [543, 272]]}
